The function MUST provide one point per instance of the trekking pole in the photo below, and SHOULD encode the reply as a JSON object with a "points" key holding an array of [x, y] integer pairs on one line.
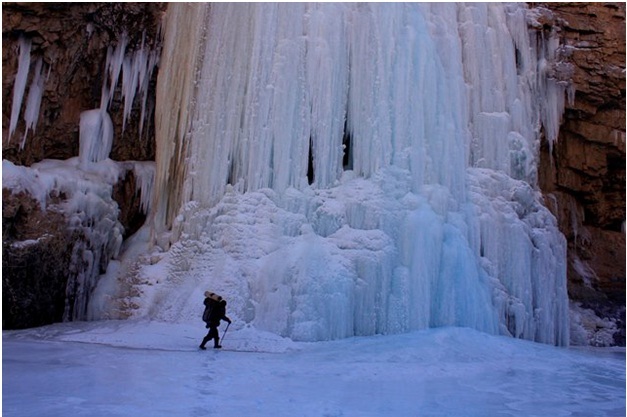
{"points": [[225, 330]]}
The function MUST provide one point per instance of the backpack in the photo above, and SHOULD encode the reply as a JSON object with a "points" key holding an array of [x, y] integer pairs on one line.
{"points": [[211, 301]]}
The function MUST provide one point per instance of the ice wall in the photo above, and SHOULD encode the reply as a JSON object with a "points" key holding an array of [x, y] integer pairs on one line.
{"points": [[343, 169]]}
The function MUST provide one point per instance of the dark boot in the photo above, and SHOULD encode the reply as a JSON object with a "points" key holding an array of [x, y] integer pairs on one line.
{"points": [[216, 345], [204, 342]]}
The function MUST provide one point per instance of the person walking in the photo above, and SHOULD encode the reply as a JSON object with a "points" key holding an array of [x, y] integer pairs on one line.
{"points": [[215, 311]]}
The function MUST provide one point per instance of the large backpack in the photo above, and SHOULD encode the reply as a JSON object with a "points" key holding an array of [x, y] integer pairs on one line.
{"points": [[211, 301]]}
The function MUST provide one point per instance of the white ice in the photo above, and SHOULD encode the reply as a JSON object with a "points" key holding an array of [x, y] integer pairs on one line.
{"points": [[95, 136], [35, 92], [33, 103], [436, 218], [19, 86], [133, 368], [436, 221]]}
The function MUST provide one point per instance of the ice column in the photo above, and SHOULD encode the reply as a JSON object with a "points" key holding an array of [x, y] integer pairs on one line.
{"points": [[95, 136], [183, 39]]}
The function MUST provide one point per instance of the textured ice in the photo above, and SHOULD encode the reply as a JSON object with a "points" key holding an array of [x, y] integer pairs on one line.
{"points": [[134, 67], [137, 70], [353, 169], [86, 181]]}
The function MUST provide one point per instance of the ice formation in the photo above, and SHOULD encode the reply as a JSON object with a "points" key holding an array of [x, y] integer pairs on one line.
{"points": [[351, 169], [136, 69], [35, 91], [95, 136], [90, 211], [20, 82], [33, 103]]}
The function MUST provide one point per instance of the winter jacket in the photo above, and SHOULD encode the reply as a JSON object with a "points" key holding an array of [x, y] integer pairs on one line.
{"points": [[217, 313]]}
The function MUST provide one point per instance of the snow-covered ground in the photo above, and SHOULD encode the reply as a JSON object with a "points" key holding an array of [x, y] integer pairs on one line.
{"points": [[149, 368]]}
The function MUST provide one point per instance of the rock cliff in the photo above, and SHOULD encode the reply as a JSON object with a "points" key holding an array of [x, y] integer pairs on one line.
{"points": [[583, 175]]}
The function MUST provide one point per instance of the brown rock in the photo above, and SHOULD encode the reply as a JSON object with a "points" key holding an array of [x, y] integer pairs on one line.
{"points": [[585, 175]]}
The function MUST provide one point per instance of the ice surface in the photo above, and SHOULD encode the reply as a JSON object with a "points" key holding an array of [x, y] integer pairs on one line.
{"points": [[129, 368], [145, 178], [175, 86], [137, 70], [113, 67], [332, 169]]}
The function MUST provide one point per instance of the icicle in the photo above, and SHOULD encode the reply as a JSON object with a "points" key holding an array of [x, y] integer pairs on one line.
{"points": [[113, 66], [19, 86], [33, 103], [136, 69], [144, 182], [133, 72], [153, 61], [554, 85], [129, 85]]}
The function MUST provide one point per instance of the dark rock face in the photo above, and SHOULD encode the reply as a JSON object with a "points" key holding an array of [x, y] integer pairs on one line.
{"points": [[584, 177], [72, 41], [34, 264], [131, 214]]}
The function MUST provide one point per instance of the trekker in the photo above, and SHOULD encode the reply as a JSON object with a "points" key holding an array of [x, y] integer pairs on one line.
{"points": [[214, 312]]}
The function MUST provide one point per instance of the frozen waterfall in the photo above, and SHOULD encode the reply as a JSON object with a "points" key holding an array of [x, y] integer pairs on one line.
{"points": [[352, 169]]}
